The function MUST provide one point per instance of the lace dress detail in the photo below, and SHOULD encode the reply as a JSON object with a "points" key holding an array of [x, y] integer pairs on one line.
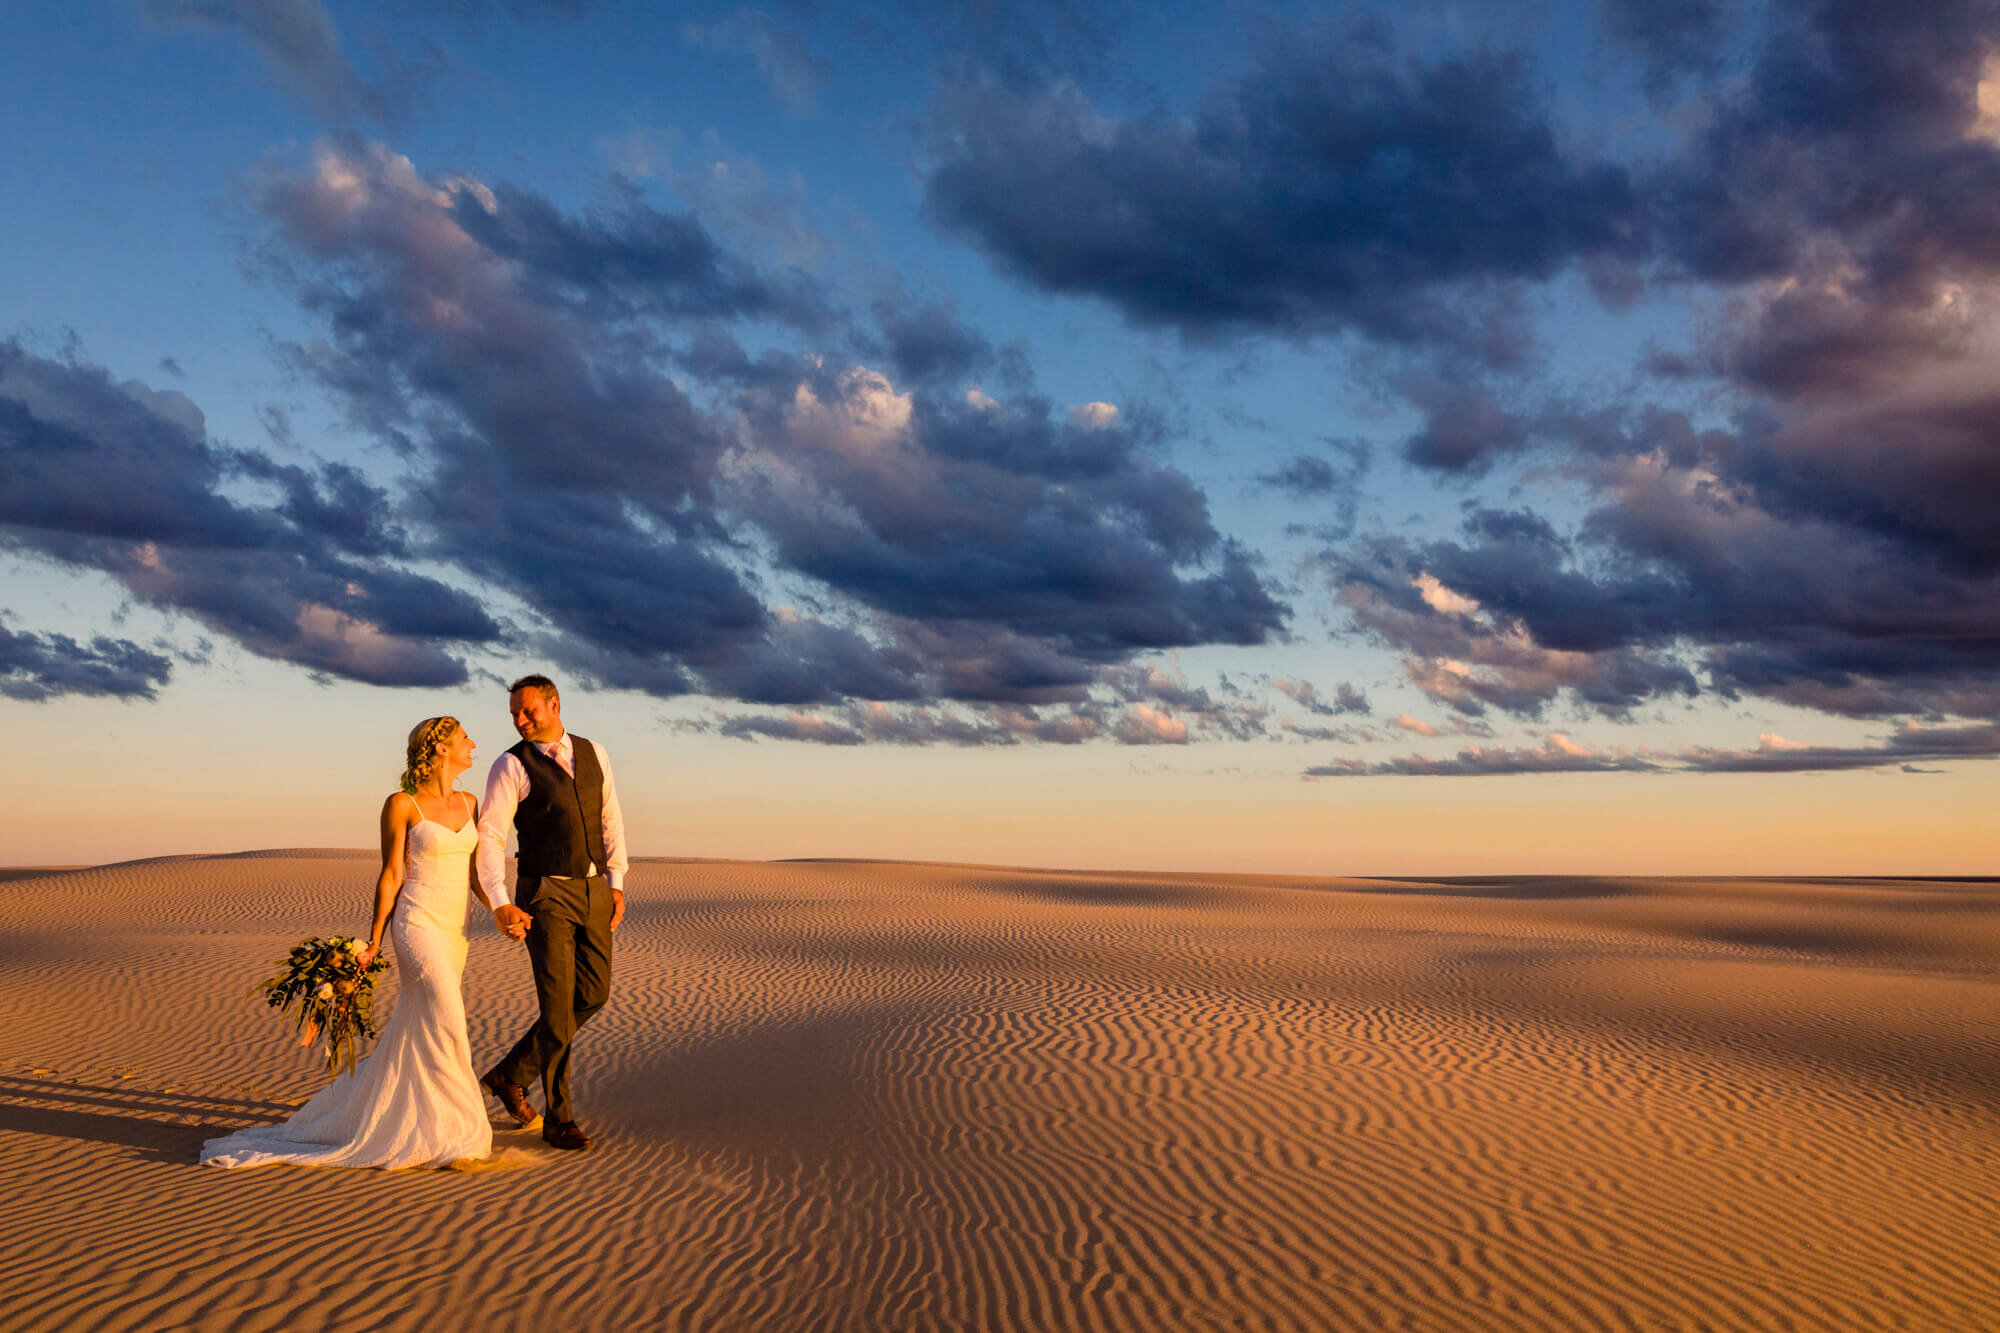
{"points": [[415, 1100]]}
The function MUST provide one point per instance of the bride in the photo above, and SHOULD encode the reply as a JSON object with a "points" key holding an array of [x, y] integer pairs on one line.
{"points": [[414, 1100]]}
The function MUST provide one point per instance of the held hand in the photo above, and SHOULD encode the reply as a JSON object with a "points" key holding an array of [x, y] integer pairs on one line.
{"points": [[513, 922], [367, 955], [617, 907]]}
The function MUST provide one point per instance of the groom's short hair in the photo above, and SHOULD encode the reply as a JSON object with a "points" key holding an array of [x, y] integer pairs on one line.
{"points": [[542, 683]]}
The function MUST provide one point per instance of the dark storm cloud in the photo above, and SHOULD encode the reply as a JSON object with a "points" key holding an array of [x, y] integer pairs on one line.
{"points": [[1465, 427], [629, 259], [338, 504], [519, 356], [1671, 38], [1334, 186], [927, 342], [1841, 90], [1676, 572], [122, 479], [1833, 549], [1852, 173], [1508, 620], [805, 661], [81, 454], [35, 667], [561, 464], [976, 518]]}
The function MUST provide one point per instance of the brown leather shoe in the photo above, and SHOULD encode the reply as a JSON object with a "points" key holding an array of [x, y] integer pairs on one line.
{"points": [[512, 1096], [565, 1135]]}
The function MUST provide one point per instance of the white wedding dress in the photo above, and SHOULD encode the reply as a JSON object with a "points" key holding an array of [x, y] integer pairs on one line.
{"points": [[415, 1100]]}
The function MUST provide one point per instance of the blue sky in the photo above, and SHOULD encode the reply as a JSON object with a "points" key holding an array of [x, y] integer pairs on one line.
{"points": [[1219, 404]]}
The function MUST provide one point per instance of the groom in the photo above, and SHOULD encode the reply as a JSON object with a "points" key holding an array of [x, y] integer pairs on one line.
{"points": [[556, 791]]}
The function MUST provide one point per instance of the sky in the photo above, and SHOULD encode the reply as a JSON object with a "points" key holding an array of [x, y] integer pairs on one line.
{"points": [[1510, 437]]}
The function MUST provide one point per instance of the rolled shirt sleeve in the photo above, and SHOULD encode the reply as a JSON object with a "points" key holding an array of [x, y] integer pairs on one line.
{"points": [[506, 784], [615, 861]]}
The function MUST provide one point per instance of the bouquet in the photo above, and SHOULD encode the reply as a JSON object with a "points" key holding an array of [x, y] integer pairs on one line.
{"points": [[324, 977]]}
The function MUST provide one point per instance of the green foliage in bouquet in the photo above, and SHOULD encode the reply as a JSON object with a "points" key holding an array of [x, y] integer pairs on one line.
{"points": [[325, 979]]}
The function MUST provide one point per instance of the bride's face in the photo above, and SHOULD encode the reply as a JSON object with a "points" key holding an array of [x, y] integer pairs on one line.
{"points": [[458, 750]]}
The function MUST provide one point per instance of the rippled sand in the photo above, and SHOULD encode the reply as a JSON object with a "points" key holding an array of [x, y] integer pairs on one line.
{"points": [[873, 1096]]}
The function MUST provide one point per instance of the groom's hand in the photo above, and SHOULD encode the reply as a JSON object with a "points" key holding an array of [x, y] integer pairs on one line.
{"points": [[617, 907], [513, 922]]}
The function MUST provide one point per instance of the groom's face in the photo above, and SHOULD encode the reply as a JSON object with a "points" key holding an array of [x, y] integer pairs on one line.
{"points": [[537, 715]]}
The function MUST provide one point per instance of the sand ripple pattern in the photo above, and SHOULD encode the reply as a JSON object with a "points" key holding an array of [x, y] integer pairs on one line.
{"points": [[887, 1096]]}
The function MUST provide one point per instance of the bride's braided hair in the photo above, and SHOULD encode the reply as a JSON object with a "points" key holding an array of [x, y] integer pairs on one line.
{"points": [[421, 759]]}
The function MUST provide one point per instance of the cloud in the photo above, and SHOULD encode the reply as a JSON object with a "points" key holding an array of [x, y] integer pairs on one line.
{"points": [[1557, 754], [37, 667], [794, 74], [877, 723], [793, 726], [1311, 477], [927, 343], [980, 518], [1346, 698], [1338, 735], [1332, 187], [627, 259], [1466, 426], [1904, 748], [301, 45], [1907, 745], [1144, 725], [299, 42], [1094, 416], [337, 503], [122, 479], [1480, 627], [1672, 38], [1825, 553], [589, 437]]}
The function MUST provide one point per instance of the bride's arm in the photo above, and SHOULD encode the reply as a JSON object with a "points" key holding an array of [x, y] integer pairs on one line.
{"points": [[389, 884], [472, 862]]}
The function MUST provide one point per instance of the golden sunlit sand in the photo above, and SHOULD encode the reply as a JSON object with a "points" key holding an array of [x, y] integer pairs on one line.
{"points": [[876, 1096]]}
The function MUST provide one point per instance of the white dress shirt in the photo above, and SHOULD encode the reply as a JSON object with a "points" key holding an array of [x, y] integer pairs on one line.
{"points": [[506, 784]]}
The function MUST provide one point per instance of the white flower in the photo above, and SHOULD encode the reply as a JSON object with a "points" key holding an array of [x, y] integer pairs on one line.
{"points": [[354, 946], [325, 991]]}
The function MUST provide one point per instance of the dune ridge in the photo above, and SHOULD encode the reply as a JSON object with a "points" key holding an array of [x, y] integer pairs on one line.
{"points": [[841, 1094]]}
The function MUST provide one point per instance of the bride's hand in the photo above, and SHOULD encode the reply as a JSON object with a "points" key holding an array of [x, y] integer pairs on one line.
{"points": [[367, 956]]}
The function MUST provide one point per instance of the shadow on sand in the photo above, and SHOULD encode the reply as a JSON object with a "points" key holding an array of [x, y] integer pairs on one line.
{"points": [[158, 1126]]}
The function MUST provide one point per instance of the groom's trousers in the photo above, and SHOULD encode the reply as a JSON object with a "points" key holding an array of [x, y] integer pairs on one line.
{"points": [[570, 947]]}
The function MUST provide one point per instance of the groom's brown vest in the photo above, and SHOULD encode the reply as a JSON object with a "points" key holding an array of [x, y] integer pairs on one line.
{"points": [[561, 819]]}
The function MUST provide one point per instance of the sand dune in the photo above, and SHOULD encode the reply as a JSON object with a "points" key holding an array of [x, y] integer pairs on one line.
{"points": [[873, 1095]]}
